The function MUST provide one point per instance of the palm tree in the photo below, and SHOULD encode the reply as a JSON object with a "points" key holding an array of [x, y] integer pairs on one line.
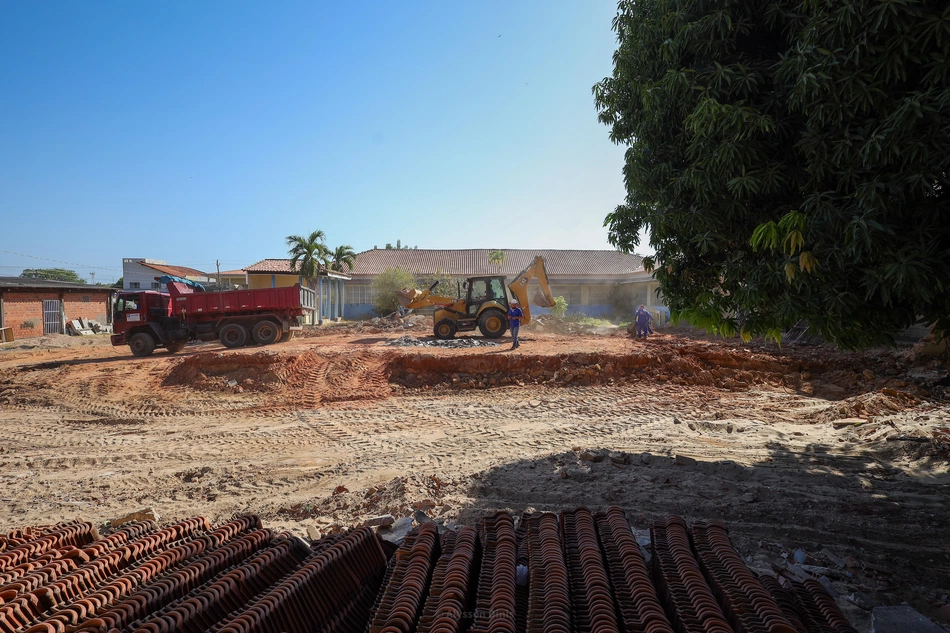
{"points": [[309, 253], [342, 255]]}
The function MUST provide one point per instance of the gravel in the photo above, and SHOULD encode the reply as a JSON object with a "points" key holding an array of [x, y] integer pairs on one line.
{"points": [[412, 341]]}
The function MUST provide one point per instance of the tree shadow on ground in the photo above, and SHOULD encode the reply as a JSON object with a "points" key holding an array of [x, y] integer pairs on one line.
{"points": [[854, 503]]}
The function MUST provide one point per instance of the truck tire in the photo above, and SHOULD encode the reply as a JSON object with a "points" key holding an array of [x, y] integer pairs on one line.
{"points": [[445, 329], [175, 347], [266, 332], [286, 336], [233, 335], [142, 344], [493, 323]]}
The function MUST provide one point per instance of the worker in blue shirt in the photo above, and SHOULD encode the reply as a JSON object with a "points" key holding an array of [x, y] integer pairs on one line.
{"points": [[643, 318], [514, 322]]}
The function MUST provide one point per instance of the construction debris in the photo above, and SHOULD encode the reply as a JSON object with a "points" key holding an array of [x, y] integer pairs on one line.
{"points": [[411, 341], [86, 327]]}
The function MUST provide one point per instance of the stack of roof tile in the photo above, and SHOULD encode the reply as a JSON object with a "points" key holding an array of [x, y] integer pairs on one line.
{"points": [[577, 571]]}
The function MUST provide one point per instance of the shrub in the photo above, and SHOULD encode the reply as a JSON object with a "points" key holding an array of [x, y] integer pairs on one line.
{"points": [[387, 285], [559, 309]]}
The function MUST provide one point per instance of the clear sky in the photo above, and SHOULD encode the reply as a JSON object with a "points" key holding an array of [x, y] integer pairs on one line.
{"points": [[196, 131]]}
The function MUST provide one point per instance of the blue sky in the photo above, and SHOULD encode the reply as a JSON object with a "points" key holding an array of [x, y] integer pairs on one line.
{"points": [[196, 131]]}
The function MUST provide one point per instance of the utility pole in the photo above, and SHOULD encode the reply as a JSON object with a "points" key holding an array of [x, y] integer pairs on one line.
{"points": [[92, 274], [217, 280]]}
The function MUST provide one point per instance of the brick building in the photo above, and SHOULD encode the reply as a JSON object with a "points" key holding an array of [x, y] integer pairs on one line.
{"points": [[34, 307]]}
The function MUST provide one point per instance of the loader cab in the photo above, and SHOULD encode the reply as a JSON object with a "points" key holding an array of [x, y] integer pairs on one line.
{"points": [[482, 290]]}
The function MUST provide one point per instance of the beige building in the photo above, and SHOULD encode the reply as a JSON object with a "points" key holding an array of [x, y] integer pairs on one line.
{"points": [[593, 282]]}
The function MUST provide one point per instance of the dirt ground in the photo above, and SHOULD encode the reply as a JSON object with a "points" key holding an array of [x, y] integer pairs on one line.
{"points": [[843, 456]]}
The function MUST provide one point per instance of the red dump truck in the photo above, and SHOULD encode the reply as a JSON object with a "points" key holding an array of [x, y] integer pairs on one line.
{"points": [[148, 319]]}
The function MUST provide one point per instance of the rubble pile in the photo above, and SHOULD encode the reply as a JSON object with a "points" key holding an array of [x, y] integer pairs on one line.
{"points": [[537, 572], [455, 343], [86, 327]]}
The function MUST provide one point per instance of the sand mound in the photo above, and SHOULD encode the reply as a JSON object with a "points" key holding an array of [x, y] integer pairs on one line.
{"points": [[866, 405]]}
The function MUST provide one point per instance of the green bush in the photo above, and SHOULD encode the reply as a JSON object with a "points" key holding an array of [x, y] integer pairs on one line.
{"points": [[387, 285], [559, 309]]}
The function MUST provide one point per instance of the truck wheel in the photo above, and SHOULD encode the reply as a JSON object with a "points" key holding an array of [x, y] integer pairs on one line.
{"points": [[233, 335], [286, 336], [492, 323], [266, 332], [445, 329], [142, 344], [175, 347]]}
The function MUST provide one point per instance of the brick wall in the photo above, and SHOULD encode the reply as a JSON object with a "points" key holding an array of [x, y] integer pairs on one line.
{"points": [[93, 305], [21, 309]]}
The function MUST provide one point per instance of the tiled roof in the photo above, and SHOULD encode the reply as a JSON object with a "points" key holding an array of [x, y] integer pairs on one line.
{"points": [[273, 266], [541, 574], [29, 282], [471, 262], [175, 271], [232, 273]]}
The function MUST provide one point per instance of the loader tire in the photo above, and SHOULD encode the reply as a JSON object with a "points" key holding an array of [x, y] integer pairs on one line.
{"points": [[266, 332], [445, 329], [493, 323], [142, 344], [233, 335], [174, 348]]}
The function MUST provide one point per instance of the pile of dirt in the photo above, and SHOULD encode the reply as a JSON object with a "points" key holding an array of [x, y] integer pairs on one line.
{"points": [[455, 343], [302, 380], [868, 405], [225, 372]]}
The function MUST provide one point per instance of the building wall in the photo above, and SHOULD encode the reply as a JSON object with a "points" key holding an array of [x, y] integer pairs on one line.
{"points": [[592, 299], [23, 311], [22, 308], [135, 276], [267, 280]]}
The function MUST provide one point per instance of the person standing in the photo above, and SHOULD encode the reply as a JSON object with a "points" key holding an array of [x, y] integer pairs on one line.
{"points": [[643, 318], [514, 322]]}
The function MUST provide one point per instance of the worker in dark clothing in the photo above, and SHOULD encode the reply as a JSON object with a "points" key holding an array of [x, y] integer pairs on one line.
{"points": [[514, 322], [643, 319]]}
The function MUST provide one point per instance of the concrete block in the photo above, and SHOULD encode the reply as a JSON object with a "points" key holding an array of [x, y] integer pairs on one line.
{"points": [[901, 620]]}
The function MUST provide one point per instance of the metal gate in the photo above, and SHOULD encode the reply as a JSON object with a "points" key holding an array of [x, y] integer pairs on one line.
{"points": [[52, 317]]}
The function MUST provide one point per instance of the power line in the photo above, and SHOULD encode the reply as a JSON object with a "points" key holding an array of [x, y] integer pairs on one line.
{"points": [[59, 261]]}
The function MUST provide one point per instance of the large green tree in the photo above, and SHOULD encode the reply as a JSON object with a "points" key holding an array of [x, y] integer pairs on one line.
{"points": [[308, 254], [53, 274], [791, 160]]}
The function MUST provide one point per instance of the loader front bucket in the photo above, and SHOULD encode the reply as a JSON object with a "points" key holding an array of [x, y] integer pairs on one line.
{"points": [[406, 296]]}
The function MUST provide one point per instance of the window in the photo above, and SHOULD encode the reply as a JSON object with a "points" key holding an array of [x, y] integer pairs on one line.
{"points": [[86, 299], [359, 293], [156, 285], [134, 285], [571, 294], [599, 295]]}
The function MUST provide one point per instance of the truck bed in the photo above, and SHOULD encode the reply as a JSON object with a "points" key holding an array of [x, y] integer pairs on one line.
{"points": [[293, 299]]}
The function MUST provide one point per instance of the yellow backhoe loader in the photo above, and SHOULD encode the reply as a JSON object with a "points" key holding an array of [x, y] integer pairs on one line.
{"points": [[485, 304]]}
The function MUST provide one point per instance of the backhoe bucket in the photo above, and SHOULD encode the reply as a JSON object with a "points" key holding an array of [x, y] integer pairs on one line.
{"points": [[540, 300], [406, 297]]}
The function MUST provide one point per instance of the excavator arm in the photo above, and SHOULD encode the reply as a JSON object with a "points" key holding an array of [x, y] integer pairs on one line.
{"points": [[415, 299], [519, 288]]}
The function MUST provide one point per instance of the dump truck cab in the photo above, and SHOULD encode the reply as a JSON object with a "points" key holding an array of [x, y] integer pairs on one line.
{"points": [[143, 320]]}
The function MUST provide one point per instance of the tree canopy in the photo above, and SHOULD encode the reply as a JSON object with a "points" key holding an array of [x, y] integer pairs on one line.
{"points": [[341, 256], [791, 160], [53, 274], [310, 252]]}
